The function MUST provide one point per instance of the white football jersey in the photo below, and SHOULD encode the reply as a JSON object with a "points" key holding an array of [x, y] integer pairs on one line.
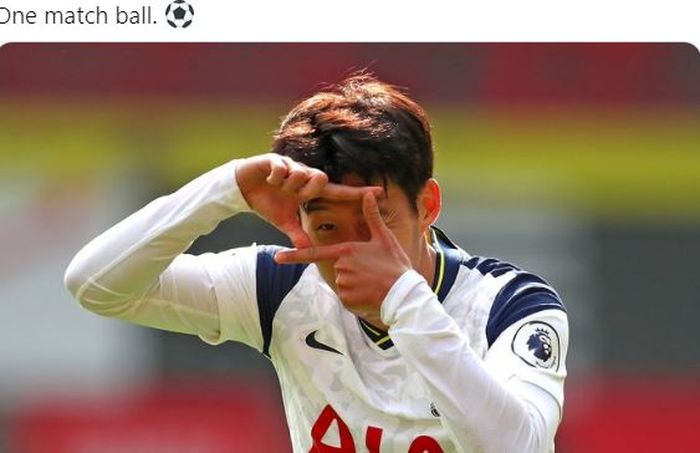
{"points": [[474, 361]]}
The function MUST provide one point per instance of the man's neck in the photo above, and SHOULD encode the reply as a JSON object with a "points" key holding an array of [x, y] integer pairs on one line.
{"points": [[426, 267]]}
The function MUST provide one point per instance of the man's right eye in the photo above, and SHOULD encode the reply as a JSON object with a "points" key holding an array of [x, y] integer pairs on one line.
{"points": [[326, 227]]}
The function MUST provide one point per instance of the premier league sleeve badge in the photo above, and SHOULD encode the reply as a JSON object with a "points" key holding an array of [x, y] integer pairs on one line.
{"points": [[537, 344]]}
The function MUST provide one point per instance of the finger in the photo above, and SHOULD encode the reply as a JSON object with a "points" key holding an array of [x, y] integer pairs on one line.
{"points": [[296, 179], [299, 238], [296, 233], [314, 186], [278, 172], [342, 192], [373, 217], [310, 254]]}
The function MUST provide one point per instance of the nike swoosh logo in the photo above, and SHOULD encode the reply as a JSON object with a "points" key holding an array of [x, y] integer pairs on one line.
{"points": [[311, 341]]}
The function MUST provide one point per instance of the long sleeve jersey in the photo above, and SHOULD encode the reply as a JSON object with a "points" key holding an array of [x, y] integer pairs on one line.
{"points": [[473, 361]]}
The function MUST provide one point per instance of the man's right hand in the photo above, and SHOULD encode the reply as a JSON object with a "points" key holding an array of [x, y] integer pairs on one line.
{"points": [[275, 186]]}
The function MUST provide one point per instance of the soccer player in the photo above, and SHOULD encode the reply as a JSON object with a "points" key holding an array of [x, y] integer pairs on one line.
{"points": [[385, 335]]}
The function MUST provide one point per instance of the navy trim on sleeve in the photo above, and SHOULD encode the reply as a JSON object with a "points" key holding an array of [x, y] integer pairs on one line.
{"points": [[272, 283], [491, 266], [524, 295]]}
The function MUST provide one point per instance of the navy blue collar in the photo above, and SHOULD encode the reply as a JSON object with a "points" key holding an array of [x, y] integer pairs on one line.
{"points": [[447, 262]]}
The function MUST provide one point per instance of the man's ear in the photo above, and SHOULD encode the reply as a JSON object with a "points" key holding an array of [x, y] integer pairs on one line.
{"points": [[429, 203]]}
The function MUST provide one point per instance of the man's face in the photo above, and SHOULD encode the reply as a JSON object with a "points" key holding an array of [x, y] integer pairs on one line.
{"points": [[328, 222]]}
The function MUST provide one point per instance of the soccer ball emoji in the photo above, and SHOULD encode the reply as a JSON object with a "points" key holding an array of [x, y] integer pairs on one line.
{"points": [[179, 14]]}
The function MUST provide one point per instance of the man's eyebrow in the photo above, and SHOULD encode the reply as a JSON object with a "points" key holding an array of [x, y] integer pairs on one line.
{"points": [[317, 204]]}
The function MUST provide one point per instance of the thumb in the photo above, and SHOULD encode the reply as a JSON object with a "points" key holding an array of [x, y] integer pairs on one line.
{"points": [[297, 235]]}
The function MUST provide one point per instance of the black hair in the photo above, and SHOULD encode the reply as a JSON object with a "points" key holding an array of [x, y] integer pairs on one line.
{"points": [[361, 127]]}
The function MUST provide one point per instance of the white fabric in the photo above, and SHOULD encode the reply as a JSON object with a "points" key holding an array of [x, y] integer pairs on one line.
{"points": [[136, 270], [487, 399], [496, 387]]}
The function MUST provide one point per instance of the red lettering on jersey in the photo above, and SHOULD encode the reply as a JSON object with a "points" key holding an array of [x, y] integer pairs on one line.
{"points": [[323, 422], [424, 444], [373, 439]]}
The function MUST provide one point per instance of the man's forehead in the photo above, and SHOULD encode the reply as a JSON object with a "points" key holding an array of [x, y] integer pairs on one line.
{"points": [[353, 179]]}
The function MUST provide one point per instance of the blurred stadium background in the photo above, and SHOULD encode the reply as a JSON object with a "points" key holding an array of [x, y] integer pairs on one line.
{"points": [[577, 161]]}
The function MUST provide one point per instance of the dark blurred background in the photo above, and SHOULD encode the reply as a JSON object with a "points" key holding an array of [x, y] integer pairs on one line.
{"points": [[577, 161]]}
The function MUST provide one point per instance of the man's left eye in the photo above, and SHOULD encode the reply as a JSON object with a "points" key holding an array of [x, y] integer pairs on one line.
{"points": [[326, 227]]}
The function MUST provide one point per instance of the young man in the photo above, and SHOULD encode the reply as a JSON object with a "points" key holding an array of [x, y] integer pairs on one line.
{"points": [[384, 334]]}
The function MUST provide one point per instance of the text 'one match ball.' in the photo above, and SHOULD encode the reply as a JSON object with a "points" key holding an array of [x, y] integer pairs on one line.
{"points": [[179, 14]]}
